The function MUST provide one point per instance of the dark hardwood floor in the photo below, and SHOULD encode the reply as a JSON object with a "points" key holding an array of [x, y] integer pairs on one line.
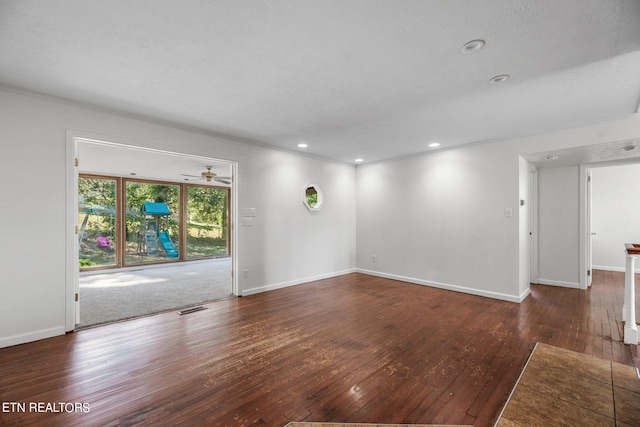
{"points": [[355, 348]]}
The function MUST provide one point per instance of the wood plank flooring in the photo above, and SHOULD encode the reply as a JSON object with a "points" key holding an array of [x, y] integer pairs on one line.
{"points": [[562, 387], [356, 348]]}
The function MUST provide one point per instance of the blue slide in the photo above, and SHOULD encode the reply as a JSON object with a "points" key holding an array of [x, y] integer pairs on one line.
{"points": [[167, 244]]}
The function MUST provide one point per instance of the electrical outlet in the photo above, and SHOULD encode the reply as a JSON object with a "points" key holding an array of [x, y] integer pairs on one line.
{"points": [[373, 258], [245, 273]]}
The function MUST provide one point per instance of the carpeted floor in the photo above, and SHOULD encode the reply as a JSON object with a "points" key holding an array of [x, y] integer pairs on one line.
{"points": [[118, 295]]}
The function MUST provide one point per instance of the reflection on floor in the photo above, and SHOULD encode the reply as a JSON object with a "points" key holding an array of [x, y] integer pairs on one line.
{"points": [[123, 294], [561, 387]]}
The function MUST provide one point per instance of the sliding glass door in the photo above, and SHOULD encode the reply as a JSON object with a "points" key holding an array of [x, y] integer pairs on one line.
{"points": [[97, 234], [207, 222], [152, 222], [127, 222]]}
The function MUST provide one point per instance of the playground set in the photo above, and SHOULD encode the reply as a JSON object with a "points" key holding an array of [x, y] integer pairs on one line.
{"points": [[154, 230], [153, 235]]}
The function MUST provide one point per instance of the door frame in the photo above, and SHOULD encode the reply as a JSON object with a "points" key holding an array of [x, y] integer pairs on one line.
{"points": [[585, 262], [533, 223], [586, 238], [72, 285]]}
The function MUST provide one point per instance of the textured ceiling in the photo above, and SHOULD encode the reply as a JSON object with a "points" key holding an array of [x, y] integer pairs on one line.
{"points": [[360, 78], [604, 153]]}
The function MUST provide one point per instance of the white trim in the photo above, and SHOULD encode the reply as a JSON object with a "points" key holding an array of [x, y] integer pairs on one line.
{"points": [[610, 268], [31, 336], [558, 283], [533, 221], [449, 287], [71, 239], [584, 231], [281, 285], [235, 287]]}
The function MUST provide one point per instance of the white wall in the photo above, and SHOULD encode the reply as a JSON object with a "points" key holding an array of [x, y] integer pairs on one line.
{"points": [[287, 245], [615, 214], [438, 218], [558, 226]]}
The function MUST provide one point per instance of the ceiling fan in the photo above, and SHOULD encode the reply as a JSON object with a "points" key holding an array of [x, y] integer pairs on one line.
{"points": [[209, 176]]}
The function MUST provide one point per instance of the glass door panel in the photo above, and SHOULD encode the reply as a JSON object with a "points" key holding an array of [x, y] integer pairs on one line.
{"points": [[152, 222], [207, 222], [97, 217]]}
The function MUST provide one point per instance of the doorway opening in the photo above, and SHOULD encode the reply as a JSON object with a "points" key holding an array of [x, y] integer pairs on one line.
{"points": [[154, 231], [611, 214]]}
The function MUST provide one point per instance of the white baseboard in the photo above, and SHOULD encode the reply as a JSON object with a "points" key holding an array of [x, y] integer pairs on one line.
{"points": [[31, 336], [281, 285], [525, 294], [610, 268], [559, 283], [449, 287]]}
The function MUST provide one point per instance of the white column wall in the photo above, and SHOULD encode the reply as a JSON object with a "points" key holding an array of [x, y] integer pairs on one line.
{"points": [[525, 228]]}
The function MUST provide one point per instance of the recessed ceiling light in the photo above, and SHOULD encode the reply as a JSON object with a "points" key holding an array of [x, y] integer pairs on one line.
{"points": [[434, 144], [132, 173], [359, 160], [302, 145], [629, 147], [472, 46], [552, 157], [499, 79]]}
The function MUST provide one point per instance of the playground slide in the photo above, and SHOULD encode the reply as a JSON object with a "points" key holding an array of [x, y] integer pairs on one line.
{"points": [[167, 244]]}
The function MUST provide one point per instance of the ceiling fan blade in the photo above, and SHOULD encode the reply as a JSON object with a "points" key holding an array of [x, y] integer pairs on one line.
{"points": [[222, 180], [192, 176]]}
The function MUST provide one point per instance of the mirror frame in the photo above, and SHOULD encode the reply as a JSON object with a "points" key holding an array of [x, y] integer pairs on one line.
{"points": [[320, 193]]}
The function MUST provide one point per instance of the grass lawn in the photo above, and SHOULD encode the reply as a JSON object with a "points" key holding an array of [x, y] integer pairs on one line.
{"points": [[197, 247]]}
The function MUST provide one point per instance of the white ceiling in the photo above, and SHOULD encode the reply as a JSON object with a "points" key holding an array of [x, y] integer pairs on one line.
{"points": [[352, 78], [101, 158]]}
